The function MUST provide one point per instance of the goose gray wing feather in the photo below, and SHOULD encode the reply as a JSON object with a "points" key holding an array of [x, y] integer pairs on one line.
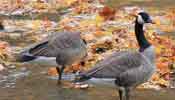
{"points": [[118, 65], [58, 43], [33, 47]]}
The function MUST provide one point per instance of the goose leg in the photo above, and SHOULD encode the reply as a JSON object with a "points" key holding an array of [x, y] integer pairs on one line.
{"points": [[120, 94], [127, 93], [60, 71]]}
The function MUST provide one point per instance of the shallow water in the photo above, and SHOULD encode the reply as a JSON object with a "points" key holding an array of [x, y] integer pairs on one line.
{"points": [[32, 83]]}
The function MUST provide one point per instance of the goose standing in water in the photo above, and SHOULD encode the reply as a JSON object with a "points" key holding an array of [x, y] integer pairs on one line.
{"points": [[64, 47], [128, 68]]}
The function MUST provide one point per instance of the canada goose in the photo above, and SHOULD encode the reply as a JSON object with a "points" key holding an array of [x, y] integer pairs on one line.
{"points": [[128, 68], [64, 47]]}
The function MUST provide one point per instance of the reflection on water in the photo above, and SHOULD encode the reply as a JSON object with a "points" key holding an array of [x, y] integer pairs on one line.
{"points": [[8, 79], [32, 83]]}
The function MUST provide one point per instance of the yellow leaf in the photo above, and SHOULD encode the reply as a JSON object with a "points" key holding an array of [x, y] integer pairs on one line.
{"points": [[158, 50], [38, 5], [36, 24], [99, 20], [163, 82], [69, 2], [157, 21]]}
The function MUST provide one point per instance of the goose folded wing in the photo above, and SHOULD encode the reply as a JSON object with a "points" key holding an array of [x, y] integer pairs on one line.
{"points": [[115, 65], [57, 44]]}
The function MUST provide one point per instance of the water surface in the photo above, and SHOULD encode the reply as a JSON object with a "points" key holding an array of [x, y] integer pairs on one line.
{"points": [[32, 83]]}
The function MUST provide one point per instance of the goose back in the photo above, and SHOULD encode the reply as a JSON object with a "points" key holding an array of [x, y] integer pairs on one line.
{"points": [[66, 47], [61, 42]]}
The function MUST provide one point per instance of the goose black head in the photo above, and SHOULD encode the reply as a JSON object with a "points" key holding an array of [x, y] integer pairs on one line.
{"points": [[143, 17]]}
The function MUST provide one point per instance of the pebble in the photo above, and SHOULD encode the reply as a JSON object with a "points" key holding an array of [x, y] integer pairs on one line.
{"points": [[12, 66], [15, 36], [81, 86], [1, 67]]}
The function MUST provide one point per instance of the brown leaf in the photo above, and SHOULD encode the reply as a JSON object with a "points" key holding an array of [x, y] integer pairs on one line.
{"points": [[108, 13], [52, 71]]}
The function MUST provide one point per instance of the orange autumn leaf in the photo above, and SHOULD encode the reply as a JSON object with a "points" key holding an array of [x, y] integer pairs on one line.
{"points": [[88, 37], [173, 49], [76, 67], [68, 28], [82, 8], [101, 1], [46, 22], [73, 68], [172, 58], [157, 21], [99, 33], [52, 71], [163, 67], [158, 50], [40, 1], [155, 77], [19, 3], [40, 5], [162, 83], [3, 45], [69, 2]]}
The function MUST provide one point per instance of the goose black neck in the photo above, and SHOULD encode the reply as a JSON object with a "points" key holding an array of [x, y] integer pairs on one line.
{"points": [[142, 41]]}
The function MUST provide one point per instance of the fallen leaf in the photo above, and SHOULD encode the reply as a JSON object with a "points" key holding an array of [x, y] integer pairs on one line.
{"points": [[108, 13], [52, 71]]}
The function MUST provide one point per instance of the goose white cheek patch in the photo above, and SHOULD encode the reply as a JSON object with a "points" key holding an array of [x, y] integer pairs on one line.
{"points": [[140, 19]]}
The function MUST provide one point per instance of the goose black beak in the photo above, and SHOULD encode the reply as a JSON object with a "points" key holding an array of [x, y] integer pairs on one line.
{"points": [[151, 21]]}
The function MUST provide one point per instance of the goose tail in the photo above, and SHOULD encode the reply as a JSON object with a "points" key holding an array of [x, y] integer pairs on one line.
{"points": [[30, 53], [25, 57]]}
